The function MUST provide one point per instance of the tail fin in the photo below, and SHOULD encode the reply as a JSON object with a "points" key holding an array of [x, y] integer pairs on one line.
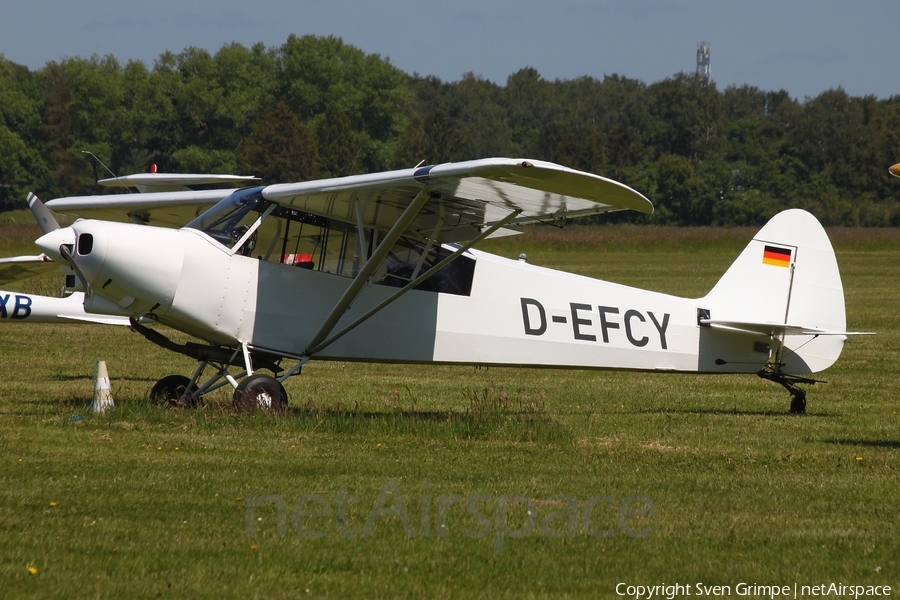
{"points": [[786, 283]]}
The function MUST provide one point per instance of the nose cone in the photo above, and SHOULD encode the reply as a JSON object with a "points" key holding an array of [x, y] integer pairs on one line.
{"points": [[895, 170], [50, 242], [135, 266]]}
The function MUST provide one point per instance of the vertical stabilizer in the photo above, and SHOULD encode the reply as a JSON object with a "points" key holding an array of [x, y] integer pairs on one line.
{"points": [[787, 275]]}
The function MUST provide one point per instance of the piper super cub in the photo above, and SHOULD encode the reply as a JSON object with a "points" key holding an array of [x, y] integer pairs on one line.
{"points": [[381, 268]]}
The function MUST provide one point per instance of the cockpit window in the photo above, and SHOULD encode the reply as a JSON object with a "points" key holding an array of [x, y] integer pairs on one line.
{"points": [[226, 222], [298, 239]]}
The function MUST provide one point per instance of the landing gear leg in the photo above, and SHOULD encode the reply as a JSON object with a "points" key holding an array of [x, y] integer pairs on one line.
{"points": [[789, 382]]}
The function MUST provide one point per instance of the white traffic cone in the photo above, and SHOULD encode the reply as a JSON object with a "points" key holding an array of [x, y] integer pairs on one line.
{"points": [[102, 394]]}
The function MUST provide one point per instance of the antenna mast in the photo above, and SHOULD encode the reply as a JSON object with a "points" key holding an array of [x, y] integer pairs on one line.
{"points": [[703, 60]]}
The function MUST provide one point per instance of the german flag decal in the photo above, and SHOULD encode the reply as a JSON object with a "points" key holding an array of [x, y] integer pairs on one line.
{"points": [[779, 257]]}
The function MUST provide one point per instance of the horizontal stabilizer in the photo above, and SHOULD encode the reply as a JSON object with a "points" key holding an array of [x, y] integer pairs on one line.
{"points": [[778, 328]]}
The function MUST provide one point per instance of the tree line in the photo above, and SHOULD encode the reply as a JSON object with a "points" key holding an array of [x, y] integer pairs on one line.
{"points": [[316, 107]]}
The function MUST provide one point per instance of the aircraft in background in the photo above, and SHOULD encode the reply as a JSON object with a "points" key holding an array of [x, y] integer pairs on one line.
{"points": [[69, 308], [381, 268]]}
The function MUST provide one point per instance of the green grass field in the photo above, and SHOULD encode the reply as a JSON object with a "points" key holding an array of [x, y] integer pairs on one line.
{"points": [[686, 479]]}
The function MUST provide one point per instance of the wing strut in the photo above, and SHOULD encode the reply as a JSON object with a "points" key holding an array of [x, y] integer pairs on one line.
{"points": [[368, 269], [428, 246], [416, 281]]}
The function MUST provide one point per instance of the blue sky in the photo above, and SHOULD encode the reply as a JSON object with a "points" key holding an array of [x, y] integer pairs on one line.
{"points": [[802, 46]]}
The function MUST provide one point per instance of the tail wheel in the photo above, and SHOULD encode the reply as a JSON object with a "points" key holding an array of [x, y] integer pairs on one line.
{"points": [[169, 391], [798, 402], [260, 392]]}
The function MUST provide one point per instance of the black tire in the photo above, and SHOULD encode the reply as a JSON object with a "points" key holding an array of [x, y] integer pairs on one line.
{"points": [[168, 390], [260, 392], [798, 403]]}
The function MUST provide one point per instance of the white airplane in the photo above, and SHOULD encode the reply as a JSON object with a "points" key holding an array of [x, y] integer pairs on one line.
{"points": [[381, 268]]}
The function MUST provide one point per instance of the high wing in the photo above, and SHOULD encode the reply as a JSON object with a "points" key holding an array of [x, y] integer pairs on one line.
{"points": [[462, 198], [166, 199], [171, 182], [162, 209]]}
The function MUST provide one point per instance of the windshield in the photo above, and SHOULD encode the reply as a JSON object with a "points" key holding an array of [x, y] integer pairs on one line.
{"points": [[224, 222]]}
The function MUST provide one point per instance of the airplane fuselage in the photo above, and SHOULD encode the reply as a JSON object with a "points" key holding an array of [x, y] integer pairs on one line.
{"points": [[514, 314]]}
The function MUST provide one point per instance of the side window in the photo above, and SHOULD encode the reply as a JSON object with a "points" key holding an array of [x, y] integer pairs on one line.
{"points": [[297, 239], [338, 254], [409, 259], [301, 240]]}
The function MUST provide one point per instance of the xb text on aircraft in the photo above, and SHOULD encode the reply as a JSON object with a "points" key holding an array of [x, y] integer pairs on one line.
{"points": [[381, 268]]}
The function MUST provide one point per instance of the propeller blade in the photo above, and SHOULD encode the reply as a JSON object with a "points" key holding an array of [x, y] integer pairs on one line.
{"points": [[42, 214], [66, 252]]}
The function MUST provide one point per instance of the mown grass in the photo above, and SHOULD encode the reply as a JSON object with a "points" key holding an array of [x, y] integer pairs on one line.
{"points": [[144, 502]]}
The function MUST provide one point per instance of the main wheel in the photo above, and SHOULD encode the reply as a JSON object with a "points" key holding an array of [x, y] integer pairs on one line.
{"points": [[798, 403], [169, 390], [260, 392]]}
